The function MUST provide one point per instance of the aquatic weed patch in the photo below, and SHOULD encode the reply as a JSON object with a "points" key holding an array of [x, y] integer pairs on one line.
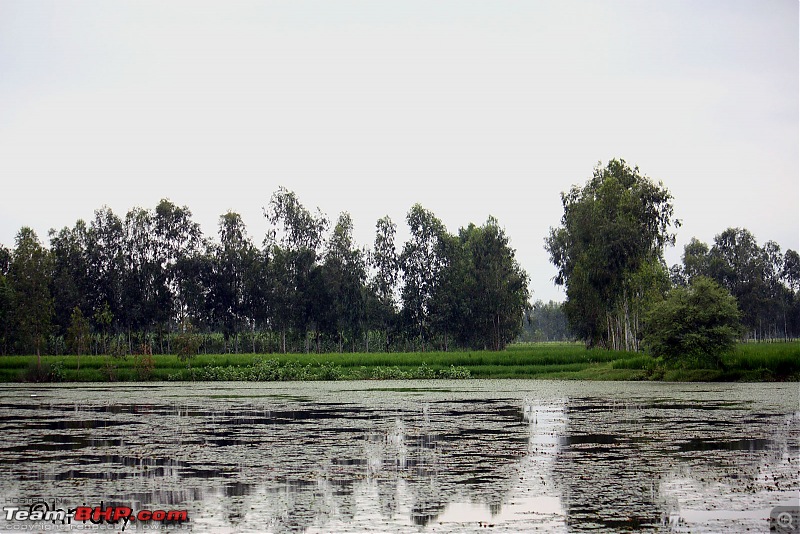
{"points": [[273, 370]]}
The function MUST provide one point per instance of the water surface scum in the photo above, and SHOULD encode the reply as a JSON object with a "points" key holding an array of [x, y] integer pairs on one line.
{"points": [[443, 456]]}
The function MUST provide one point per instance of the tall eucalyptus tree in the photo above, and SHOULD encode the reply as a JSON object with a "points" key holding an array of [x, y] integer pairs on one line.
{"points": [[609, 252]]}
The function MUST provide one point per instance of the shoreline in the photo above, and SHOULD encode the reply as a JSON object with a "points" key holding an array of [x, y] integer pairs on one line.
{"points": [[749, 362]]}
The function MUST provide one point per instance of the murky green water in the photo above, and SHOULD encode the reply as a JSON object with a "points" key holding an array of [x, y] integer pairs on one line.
{"points": [[462, 456]]}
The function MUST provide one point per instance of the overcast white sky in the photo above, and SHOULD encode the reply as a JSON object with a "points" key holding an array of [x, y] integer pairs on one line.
{"points": [[469, 108]]}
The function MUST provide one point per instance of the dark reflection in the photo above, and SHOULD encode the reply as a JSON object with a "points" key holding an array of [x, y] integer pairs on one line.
{"points": [[49, 442], [73, 424], [705, 444], [114, 467], [284, 463], [616, 480]]}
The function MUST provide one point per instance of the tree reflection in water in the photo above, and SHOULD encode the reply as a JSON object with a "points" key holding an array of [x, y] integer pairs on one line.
{"points": [[308, 457]]}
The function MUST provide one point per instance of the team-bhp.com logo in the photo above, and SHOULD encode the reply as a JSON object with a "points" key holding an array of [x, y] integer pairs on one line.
{"points": [[97, 515]]}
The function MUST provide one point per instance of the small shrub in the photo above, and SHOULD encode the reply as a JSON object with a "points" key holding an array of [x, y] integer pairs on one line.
{"points": [[46, 372], [330, 371], [109, 371], [423, 372], [389, 373], [144, 365], [455, 373], [265, 371], [295, 371], [694, 326], [187, 342]]}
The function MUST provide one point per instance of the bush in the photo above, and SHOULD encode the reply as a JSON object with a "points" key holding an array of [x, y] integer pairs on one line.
{"points": [[46, 372], [330, 371], [454, 372], [389, 373], [693, 326], [144, 365], [187, 342], [423, 372]]}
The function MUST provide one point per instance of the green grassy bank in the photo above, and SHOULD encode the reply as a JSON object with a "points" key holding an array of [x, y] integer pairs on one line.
{"points": [[748, 362]]}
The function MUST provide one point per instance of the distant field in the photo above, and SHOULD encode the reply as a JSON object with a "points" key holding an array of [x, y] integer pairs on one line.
{"points": [[749, 362]]}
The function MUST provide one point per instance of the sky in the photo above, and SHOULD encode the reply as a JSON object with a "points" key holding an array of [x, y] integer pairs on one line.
{"points": [[469, 108]]}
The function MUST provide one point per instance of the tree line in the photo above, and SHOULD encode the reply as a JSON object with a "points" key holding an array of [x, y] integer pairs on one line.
{"points": [[139, 283], [546, 322], [609, 252], [764, 281]]}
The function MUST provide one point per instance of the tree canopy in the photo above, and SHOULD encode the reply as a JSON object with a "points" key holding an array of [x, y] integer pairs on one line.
{"points": [[150, 277], [609, 252], [763, 280], [693, 325]]}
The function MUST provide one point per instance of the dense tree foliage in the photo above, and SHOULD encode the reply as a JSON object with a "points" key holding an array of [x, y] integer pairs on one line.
{"points": [[693, 325], [149, 281], [764, 281], [609, 253], [30, 272]]}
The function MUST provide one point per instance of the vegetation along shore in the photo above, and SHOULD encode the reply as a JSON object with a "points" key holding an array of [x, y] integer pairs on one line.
{"points": [[751, 362], [149, 297]]}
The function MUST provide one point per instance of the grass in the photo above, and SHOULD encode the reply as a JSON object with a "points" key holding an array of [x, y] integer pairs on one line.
{"points": [[748, 362]]}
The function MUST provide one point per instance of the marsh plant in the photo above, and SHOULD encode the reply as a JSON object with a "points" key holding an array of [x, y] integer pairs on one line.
{"points": [[272, 370], [187, 342]]}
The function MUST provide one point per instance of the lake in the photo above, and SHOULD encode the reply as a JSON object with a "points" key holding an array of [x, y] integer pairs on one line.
{"points": [[435, 456]]}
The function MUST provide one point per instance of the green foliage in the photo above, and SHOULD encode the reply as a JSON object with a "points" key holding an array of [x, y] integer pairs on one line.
{"points": [[118, 348], [6, 303], [608, 249], [765, 282], [45, 372], [273, 370], [635, 362], [144, 363], [30, 275], [422, 263], [109, 370], [309, 290], [747, 362], [454, 373], [487, 291], [385, 261], [103, 318], [693, 326], [78, 333], [780, 360], [187, 342]]}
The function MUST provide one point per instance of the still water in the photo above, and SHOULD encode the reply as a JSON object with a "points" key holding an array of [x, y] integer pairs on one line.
{"points": [[439, 456]]}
